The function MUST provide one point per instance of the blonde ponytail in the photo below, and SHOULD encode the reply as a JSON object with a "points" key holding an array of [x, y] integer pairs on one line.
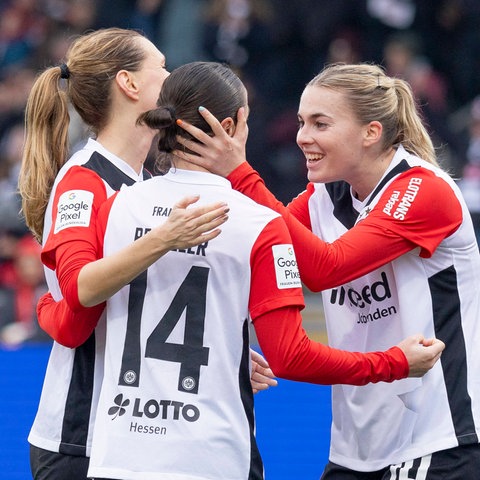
{"points": [[46, 146], [412, 133]]}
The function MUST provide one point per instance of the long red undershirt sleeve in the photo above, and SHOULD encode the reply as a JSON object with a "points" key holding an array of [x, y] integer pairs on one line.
{"points": [[67, 321], [69, 266], [70, 329], [294, 356], [325, 265]]}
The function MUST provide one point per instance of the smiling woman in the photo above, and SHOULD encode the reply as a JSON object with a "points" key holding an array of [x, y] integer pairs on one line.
{"points": [[390, 259]]}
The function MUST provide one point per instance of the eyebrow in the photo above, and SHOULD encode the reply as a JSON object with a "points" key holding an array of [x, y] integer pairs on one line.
{"points": [[314, 116]]}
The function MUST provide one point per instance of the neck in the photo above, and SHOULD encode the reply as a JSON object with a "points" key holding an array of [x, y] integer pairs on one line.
{"points": [[181, 164], [131, 145], [371, 172]]}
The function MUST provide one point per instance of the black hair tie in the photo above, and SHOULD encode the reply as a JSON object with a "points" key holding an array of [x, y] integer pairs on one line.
{"points": [[64, 71]]}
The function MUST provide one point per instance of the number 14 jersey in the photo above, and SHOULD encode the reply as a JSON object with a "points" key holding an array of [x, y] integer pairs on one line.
{"points": [[176, 400]]}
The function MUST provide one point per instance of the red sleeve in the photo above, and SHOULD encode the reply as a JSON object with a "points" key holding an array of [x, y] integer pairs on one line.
{"points": [[72, 243], [423, 222], [78, 197], [275, 310], [298, 207], [65, 327], [292, 355], [274, 286], [67, 321], [73, 255], [421, 207]]}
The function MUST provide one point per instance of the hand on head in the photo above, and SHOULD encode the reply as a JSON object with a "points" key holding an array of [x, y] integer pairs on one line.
{"points": [[220, 153]]}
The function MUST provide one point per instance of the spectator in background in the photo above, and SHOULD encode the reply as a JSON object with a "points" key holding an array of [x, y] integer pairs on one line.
{"points": [[21, 272], [186, 17], [382, 18], [11, 144], [8, 246], [404, 58], [22, 28], [470, 181], [18, 323], [450, 33]]}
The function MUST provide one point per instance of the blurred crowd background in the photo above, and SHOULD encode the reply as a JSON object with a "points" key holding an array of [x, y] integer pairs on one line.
{"points": [[276, 46]]}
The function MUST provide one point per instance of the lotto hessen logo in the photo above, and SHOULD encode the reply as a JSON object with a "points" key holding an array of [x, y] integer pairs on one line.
{"points": [[153, 409]]}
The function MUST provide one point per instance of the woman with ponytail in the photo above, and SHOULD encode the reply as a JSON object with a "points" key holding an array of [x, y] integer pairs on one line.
{"points": [[386, 236], [109, 77]]}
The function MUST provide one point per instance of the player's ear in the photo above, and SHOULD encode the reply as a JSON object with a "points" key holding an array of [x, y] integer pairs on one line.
{"points": [[373, 132], [228, 125], [127, 83]]}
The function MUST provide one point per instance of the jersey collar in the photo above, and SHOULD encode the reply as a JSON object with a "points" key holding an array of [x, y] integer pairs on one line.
{"points": [[93, 144], [196, 177]]}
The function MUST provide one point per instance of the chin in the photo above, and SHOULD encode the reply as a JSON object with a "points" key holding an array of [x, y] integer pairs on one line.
{"points": [[314, 178]]}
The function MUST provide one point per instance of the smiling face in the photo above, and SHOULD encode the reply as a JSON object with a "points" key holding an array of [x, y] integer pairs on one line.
{"points": [[330, 136]]}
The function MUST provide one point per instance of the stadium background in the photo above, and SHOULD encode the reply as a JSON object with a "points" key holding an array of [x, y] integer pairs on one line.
{"points": [[276, 46]]}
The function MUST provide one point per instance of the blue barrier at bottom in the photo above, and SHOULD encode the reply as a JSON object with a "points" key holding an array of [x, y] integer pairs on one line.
{"points": [[293, 420]]}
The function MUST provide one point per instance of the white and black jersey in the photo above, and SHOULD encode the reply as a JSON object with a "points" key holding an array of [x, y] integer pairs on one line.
{"points": [[176, 401], [433, 289], [66, 411]]}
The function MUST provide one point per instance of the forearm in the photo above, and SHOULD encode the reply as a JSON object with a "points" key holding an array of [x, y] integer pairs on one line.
{"points": [[99, 280], [85, 280], [292, 355], [68, 328]]}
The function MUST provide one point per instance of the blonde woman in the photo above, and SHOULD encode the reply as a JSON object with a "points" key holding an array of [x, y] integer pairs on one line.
{"points": [[110, 77], [386, 236]]}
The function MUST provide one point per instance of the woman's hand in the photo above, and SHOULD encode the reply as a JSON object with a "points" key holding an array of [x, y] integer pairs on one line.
{"points": [[421, 353], [219, 153], [188, 227], [262, 376]]}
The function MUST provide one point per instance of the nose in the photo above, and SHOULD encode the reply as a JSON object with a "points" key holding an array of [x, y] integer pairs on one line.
{"points": [[303, 137]]}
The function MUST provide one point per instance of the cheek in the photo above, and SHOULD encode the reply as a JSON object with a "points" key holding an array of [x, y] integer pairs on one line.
{"points": [[153, 88], [151, 96]]}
